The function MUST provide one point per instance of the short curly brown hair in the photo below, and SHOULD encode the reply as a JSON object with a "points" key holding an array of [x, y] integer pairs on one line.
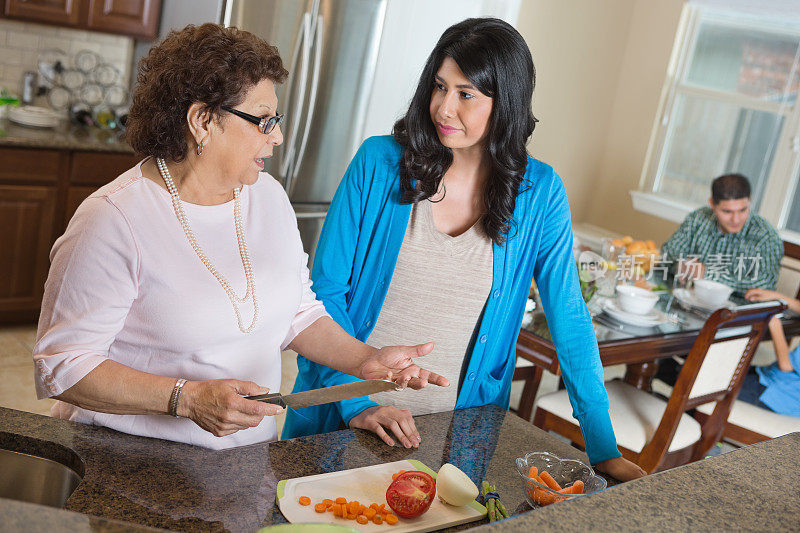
{"points": [[210, 64]]}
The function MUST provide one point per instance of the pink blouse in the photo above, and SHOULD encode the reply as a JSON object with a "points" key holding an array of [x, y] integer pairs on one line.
{"points": [[125, 284]]}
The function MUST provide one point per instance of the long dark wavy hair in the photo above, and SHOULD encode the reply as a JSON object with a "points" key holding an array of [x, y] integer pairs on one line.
{"points": [[495, 59]]}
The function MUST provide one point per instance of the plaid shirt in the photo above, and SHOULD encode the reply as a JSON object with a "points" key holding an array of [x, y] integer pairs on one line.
{"points": [[745, 260]]}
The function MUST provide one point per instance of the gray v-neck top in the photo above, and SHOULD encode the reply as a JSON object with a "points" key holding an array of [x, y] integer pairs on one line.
{"points": [[437, 293]]}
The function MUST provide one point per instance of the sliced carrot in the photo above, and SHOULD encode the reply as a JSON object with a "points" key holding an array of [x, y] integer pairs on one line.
{"points": [[370, 512], [391, 519], [549, 481], [373, 506], [320, 507], [304, 500], [340, 500], [394, 476], [351, 516], [533, 472], [362, 509], [337, 509], [328, 502], [377, 519], [352, 507], [382, 508], [361, 519]]}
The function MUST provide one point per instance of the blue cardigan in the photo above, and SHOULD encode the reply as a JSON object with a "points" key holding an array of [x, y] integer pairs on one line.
{"points": [[356, 257]]}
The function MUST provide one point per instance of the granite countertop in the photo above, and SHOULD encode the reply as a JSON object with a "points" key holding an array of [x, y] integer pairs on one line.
{"points": [[750, 489], [177, 486], [65, 136], [162, 484]]}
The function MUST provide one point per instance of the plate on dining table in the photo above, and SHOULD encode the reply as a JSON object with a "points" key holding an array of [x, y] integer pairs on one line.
{"points": [[654, 317], [687, 299]]}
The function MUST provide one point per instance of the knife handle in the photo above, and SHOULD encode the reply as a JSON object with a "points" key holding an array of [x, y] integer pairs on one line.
{"points": [[274, 398]]}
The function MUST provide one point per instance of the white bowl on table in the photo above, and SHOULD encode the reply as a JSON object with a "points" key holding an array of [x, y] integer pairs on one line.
{"points": [[636, 300], [713, 293]]}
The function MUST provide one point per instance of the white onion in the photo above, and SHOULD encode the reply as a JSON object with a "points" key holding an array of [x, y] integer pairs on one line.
{"points": [[455, 487]]}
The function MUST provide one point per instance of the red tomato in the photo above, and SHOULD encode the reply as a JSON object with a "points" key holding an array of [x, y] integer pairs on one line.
{"points": [[411, 493]]}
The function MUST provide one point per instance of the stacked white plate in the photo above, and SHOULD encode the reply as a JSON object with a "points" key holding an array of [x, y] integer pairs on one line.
{"points": [[689, 300], [652, 318], [29, 115]]}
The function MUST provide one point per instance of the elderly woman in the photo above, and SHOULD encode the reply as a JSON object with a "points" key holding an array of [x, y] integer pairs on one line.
{"points": [[155, 304]]}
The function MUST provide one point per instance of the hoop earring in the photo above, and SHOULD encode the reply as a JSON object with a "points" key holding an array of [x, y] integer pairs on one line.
{"points": [[199, 149]]}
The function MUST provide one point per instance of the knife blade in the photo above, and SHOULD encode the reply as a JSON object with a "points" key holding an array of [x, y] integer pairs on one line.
{"points": [[327, 394]]}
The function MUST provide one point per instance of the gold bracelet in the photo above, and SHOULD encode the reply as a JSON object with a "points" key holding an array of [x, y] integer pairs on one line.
{"points": [[173, 399]]}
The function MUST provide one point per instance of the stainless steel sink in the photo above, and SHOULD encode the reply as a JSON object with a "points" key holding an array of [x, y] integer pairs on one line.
{"points": [[34, 479]]}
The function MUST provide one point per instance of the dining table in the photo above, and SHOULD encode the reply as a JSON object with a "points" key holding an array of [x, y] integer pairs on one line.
{"points": [[636, 346]]}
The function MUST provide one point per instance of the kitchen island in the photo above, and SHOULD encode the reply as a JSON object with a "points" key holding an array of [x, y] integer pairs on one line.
{"points": [[161, 484]]}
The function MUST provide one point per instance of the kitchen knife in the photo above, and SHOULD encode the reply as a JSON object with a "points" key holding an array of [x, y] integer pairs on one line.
{"points": [[327, 394]]}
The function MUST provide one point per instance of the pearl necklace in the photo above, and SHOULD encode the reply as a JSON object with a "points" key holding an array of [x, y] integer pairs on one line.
{"points": [[248, 268]]}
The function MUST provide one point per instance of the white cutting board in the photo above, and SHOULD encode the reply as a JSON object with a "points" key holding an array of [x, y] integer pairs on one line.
{"points": [[367, 485]]}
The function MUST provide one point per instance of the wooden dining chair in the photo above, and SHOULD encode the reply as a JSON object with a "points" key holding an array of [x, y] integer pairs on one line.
{"points": [[792, 250], [658, 434], [749, 424]]}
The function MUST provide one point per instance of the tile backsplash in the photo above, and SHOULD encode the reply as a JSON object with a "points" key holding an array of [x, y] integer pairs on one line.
{"points": [[21, 42]]}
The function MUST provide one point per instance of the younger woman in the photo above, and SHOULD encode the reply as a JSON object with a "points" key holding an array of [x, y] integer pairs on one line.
{"points": [[437, 231]]}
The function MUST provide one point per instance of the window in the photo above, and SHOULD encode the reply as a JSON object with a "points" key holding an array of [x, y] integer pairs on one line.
{"points": [[729, 105]]}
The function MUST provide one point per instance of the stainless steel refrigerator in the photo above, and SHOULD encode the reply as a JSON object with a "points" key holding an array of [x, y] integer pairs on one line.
{"points": [[330, 48]]}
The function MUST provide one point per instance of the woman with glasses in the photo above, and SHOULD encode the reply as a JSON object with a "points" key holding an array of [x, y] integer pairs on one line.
{"points": [[176, 286], [436, 232]]}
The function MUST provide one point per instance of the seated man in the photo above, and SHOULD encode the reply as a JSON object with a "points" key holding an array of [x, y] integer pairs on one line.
{"points": [[723, 242]]}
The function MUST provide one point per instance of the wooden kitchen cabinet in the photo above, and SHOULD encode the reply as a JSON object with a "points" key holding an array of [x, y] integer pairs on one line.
{"points": [[26, 165], [39, 192], [135, 18], [61, 12], [89, 171], [98, 168], [131, 17], [75, 195], [26, 216]]}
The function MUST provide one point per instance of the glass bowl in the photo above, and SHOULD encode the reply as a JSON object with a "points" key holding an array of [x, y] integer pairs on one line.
{"points": [[564, 471]]}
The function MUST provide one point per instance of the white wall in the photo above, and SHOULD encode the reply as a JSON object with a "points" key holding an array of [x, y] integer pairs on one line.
{"points": [[644, 66], [577, 48], [600, 68]]}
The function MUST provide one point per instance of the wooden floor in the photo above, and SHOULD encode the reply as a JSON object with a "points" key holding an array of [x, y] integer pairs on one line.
{"points": [[16, 371]]}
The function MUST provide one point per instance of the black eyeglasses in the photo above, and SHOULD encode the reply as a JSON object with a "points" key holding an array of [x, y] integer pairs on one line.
{"points": [[265, 124]]}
